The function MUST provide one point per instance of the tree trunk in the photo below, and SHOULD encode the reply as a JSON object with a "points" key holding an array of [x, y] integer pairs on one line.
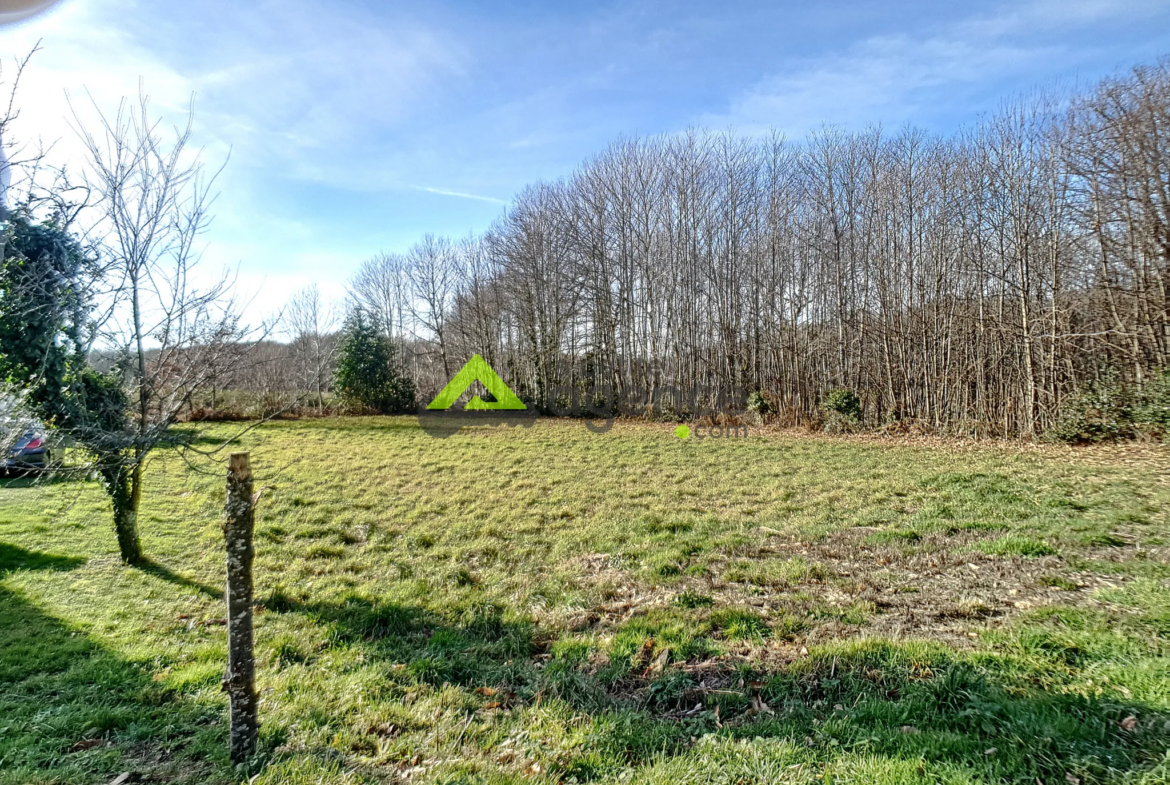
{"points": [[240, 680], [116, 476]]}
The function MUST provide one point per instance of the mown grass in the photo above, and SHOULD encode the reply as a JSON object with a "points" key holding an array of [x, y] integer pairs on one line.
{"points": [[553, 605]]}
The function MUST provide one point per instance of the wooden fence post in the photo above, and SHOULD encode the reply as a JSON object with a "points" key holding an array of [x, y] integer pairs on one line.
{"points": [[240, 680]]}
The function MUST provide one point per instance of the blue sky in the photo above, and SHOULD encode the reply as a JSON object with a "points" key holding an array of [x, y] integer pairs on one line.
{"points": [[355, 127]]}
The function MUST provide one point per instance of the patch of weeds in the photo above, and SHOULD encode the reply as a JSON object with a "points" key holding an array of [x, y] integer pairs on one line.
{"points": [[273, 533], [485, 620], [775, 573], [463, 577], [658, 524], [665, 567], [854, 613], [1150, 597], [313, 532], [1017, 545], [642, 639], [981, 487], [1103, 540], [691, 599], [288, 650], [668, 690], [970, 609], [787, 627], [1059, 582], [897, 536], [280, 600], [740, 624], [1064, 502], [360, 618], [561, 680], [977, 526], [570, 650], [350, 538]]}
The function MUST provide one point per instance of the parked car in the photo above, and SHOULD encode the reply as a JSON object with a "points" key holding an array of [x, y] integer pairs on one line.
{"points": [[32, 450]]}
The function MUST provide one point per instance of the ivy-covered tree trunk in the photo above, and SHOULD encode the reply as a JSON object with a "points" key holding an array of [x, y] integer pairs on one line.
{"points": [[123, 484]]}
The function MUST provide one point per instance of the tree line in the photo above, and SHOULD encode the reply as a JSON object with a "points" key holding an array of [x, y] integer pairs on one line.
{"points": [[973, 282]]}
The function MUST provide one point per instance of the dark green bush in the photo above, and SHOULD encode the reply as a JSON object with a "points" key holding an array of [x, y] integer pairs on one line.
{"points": [[758, 404], [1111, 409], [844, 402], [842, 408], [1152, 409]]}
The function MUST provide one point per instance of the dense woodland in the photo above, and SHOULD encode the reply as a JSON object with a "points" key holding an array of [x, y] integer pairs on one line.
{"points": [[974, 284], [974, 281]]}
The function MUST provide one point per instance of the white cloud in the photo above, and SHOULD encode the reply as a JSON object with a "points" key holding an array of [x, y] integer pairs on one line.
{"points": [[294, 90], [344, 117], [459, 194], [895, 78], [878, 80], [289, 86]]}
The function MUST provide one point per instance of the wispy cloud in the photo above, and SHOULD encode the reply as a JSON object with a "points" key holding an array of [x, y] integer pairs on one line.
{"points": [[356, 127], [459, 194], [293, 86], [904, 77]]}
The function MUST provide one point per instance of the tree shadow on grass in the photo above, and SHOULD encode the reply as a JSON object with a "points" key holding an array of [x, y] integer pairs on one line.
{"points": [[13, 558], [72, 711], [909, 704], [476, 650], [158, 570], [16, 479]]}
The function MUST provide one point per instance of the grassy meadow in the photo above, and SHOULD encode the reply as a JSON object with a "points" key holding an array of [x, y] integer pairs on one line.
{"points": [[553, 605]]}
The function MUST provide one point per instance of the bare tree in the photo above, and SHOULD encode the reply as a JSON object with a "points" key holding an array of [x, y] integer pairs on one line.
{"points": [[312, 323], [433, 275], [173, 329], [381, 288]]}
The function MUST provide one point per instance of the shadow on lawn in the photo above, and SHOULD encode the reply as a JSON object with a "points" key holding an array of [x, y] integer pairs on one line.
{"points": [[158, 570], [74, 711], [14, 558], [912, 702], [66, 703], [16, 479]]}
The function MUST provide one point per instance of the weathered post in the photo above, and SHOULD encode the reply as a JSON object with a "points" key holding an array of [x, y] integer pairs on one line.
{"points": [[240, 680]]}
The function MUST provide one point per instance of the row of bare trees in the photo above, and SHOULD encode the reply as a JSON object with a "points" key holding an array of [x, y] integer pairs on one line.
{"points": [[974, 281]]}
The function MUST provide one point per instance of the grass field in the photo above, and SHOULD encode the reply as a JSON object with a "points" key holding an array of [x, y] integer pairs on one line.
{"points": [[554, 605]]}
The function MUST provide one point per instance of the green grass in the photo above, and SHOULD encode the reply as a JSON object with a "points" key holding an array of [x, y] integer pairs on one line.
{"points": [[552, 605], [1017, 545]]}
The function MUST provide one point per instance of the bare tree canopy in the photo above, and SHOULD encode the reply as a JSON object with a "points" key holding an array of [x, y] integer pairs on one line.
{"points": [[972, 282], [171, 330], [312, 326]]}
